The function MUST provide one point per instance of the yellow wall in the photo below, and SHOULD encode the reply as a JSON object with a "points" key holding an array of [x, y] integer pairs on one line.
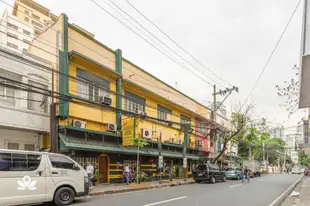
{"points": [[92, 50], [95, 116], [145, 80]]}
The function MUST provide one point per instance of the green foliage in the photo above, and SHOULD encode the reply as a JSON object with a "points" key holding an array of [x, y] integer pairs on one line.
{"points": [[95, 177], [142, 176], [139, 142], [303, 159]]}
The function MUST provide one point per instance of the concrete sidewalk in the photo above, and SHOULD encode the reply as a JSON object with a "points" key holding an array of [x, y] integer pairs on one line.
{"points": [[120, 188], [300, 195]]}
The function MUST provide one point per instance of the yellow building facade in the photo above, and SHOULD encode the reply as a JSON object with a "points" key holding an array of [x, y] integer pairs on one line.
{"points": [[97, 90]]}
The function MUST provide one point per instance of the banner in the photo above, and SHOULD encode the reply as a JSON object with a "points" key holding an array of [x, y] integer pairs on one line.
{"points": [[129, 131]]}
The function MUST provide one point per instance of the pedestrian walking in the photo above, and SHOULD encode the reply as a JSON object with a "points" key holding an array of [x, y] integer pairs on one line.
{"points": [[90, 172], [127, 174], [246, 174]]}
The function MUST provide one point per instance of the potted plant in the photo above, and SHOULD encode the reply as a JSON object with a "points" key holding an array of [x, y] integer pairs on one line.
{"points": [[95, 178]]}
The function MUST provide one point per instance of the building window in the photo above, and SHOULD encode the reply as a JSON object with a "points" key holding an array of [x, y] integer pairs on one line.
{"points": [[14, 46], [26, 32], [134, 103], [25, 50], [91, 87], [6, 93], [26, 19], [184, 120], [12, 26], [162, 113], [37, 102], [26, 41], [29, 147], [37, 33], [36, 24], [200, 128], [35, 17], [26, 12], [14, 146], [12, 35]]}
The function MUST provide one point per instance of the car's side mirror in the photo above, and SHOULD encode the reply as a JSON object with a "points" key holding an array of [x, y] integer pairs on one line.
{"points": [[76, 167]]}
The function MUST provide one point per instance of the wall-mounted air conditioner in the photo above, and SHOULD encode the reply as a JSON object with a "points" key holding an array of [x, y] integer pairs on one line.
{"points": [[112, 127], [78, 123], [105, 100], [146, 133]]}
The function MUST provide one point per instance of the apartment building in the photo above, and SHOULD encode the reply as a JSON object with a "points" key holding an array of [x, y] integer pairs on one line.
{"points": [[34, 14], [14, 34], [24, 119]]}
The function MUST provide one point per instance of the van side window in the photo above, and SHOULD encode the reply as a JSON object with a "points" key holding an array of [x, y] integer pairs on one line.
{"points": [[5, 161], [61, 162], [33, 162], [19, 162]]}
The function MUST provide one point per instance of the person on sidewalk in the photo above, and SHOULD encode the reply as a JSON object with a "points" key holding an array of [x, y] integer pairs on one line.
{"points": [[246, 174], [90, 172], [127, 174]]}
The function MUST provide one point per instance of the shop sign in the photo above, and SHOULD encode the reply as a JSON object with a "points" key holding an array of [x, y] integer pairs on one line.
{"points": [[128, 132], [184, 162], [160, 161]]}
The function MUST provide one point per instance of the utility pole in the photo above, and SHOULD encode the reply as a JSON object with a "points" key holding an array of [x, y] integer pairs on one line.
{"points": [[264, 156], [226, 92]]}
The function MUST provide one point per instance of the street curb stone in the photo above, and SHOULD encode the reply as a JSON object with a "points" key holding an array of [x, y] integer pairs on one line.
{"points": [[287, 193], [108, 192]]}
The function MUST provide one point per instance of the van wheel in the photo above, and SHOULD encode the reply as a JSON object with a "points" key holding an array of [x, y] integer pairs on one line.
{"points": [[213, 180], [64, 196]]}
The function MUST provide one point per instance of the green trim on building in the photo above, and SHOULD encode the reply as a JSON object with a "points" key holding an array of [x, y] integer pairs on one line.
{"points": [[119, 70], [93, 61], [90, 37], [89, 131], [64, 68]]}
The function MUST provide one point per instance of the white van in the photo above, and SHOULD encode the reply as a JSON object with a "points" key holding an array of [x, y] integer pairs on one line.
{"points": [[28, 177]]}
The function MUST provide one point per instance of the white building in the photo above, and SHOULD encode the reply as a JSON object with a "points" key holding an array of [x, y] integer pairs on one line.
{"points": [[24, 119], [14, 34]]}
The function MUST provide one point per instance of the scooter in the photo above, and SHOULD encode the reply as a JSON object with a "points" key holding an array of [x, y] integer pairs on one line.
{"points": [[131, 178]]}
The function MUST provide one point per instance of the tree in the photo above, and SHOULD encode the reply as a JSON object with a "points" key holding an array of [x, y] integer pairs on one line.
{"points": [[290, 92], [303, 159], [140, 143], [274, 149], [238, 122]]}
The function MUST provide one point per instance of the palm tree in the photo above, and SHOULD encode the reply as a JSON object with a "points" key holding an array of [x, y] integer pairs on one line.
{"points": [[274, 149]]}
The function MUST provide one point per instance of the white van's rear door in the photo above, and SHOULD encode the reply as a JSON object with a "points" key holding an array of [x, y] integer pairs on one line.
{"points": [[22, 176]]}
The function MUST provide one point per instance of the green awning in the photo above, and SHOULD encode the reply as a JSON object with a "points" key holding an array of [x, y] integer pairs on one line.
{"points": [[66, 143]]}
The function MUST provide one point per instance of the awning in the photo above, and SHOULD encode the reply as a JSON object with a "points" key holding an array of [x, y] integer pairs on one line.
{"points": [[68, 142]]}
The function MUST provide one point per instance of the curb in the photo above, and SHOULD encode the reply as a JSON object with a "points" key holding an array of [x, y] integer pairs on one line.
{"points": [[284, 195], [108, 192]]}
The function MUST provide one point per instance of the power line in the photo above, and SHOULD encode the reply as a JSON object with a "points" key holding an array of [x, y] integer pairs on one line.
{"points": [[163, 43], [272, 53], [186, 68], [176, 43], [51, 27]]}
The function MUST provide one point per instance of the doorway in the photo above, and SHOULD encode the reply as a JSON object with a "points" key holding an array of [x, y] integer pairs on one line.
{"points": [[104, 164]]}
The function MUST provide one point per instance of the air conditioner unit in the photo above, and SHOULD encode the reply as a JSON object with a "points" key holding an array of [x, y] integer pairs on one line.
{"points": [[105, 100], [171, 139], [142, 113], [146, 133], [180, 141], [78, 123], [112, 127]]}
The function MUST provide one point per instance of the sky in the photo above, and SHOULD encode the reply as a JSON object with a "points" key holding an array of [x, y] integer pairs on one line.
{"points": [[232, 38]]}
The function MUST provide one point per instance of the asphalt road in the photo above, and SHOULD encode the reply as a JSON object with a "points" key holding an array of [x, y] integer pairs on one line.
{"points": [[259, 192]]}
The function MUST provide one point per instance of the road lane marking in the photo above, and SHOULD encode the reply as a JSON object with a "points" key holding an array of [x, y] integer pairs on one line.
{"points": [[235, 185], [271, 204], [164, 201]]}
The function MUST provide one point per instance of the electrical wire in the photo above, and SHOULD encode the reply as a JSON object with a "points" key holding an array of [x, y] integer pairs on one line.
{"points": [[145, 29], [272, 53], [178, 45]]}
